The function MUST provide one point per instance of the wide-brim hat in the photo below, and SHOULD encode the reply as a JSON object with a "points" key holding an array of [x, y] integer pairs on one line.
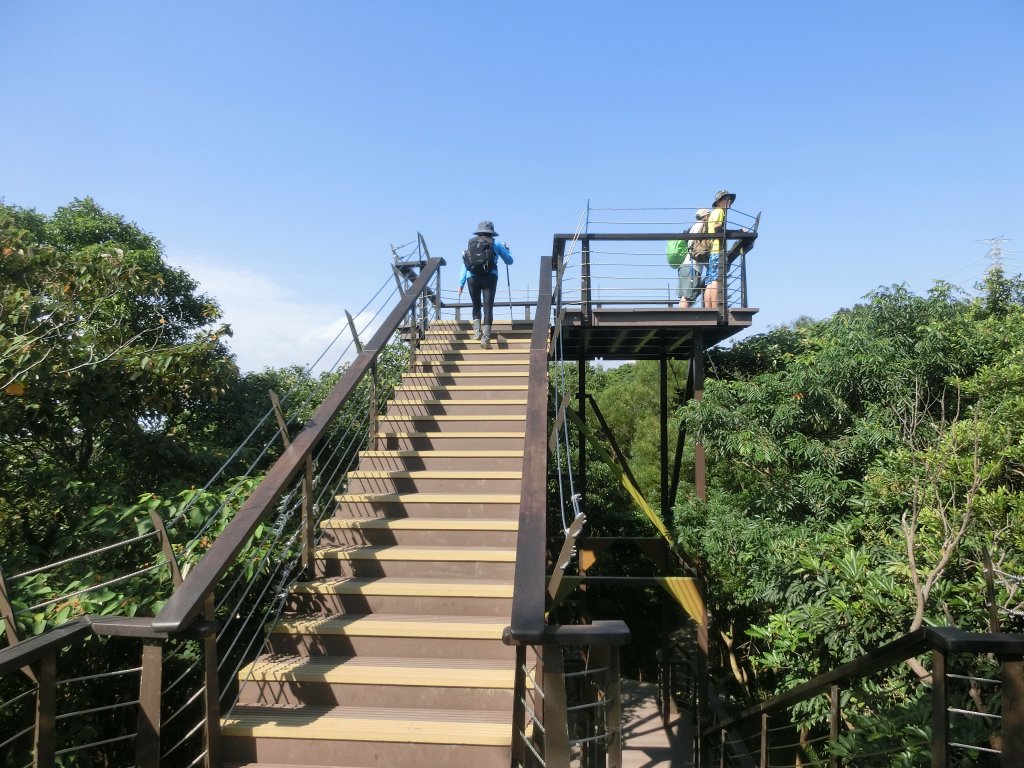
{"points": [[725, 193], [485, 228]]}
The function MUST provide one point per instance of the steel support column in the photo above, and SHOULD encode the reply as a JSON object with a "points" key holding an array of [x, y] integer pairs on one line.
{"points": [[666, 508], [699, 470]]}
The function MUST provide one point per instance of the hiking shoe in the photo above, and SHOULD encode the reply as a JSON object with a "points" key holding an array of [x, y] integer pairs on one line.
{"points": [[485, 343]]}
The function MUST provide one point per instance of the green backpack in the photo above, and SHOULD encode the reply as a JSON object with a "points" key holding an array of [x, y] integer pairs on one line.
{"points": [[676, 252]]}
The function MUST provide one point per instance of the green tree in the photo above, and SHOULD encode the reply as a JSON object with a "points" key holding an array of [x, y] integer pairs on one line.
{"points": [[103, 350], [856, 480]]}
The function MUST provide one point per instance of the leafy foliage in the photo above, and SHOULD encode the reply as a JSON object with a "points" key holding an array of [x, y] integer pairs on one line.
{"points": [[104, 350], [857, 479]]}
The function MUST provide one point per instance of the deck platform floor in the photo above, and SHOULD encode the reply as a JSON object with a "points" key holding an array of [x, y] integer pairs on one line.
{"points": [[646, 742]]}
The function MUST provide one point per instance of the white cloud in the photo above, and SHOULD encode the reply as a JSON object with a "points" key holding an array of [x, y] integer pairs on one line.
{"points": [[272, 325]]}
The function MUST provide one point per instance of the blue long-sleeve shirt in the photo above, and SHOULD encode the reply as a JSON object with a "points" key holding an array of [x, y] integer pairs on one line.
{"points": [[501, 250]]}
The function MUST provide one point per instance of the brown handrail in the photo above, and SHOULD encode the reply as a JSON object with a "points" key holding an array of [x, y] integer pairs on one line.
{"points": [[527, 620], [187, 599], [899, 650]]}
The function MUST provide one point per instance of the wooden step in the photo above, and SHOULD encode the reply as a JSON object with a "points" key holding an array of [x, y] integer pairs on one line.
{"points": [[490, 505], [362, 681], [408, 561], [399, 422], [477, 408], [442, 378], [410, 596], [372, 736], [434, 481], [461, 391], [496, 354], [468, 344], [493, 365], [469, 439], [419, 531], [442, 460], [402, 724], [466, 377], [466, 403], [420, 636]]}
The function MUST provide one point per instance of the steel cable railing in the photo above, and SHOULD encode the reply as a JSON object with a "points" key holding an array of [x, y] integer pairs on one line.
{"points": [[874, 711], [244, 603]]}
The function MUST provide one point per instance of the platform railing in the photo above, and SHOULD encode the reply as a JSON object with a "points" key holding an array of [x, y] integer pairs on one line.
{"points": [[630, 269], [969, 710]]}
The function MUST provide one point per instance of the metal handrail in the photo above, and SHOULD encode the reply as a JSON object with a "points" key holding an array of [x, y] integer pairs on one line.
{"points": [[187, 600]]}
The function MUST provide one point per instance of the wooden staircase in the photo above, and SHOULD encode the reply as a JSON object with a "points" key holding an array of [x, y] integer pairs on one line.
{"points": [[392, 655]]}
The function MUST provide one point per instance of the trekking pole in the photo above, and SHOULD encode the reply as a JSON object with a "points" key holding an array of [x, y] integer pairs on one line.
{"points": [[508, 282]]}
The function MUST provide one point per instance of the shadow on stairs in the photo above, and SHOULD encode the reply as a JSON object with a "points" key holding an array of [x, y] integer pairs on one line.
{"points": [[392, 654]]}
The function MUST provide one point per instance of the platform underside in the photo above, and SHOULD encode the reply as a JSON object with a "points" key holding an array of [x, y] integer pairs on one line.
{"points": [[647, 333]]}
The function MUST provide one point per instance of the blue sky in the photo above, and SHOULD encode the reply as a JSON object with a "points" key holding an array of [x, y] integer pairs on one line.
{"points": [[278, 149]]}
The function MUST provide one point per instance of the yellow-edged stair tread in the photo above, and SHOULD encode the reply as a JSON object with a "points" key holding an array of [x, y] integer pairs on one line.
{"points": [[464, 388], [445, 673], [445, 435], [436, 474], [441, 454], [392, 586], [425, 726], [431, 554], [449, 417], [421, 523], [467, 401], [449, 498], [467, 374], [389, 625]]}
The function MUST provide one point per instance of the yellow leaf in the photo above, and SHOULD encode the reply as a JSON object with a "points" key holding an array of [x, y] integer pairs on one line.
{"points": [[16, 388]]}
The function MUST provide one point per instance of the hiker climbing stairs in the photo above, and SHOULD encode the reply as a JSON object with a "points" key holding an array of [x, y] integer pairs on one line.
{"points": [[391, 654]]}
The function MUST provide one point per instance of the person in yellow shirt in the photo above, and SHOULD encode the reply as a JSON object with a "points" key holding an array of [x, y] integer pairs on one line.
{"points": [[716, 222]]}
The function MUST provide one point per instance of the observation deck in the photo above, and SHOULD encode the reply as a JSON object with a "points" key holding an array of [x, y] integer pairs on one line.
{"points": [[620, 297]]}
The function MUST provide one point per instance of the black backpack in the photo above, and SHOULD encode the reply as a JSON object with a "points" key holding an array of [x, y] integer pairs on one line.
{"points": [[479, 257]]}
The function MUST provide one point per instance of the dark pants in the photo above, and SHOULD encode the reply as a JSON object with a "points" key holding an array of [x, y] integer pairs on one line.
{"points": [[481, 290]]}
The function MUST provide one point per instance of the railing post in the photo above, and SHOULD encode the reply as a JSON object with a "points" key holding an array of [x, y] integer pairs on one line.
{"points": [[835, 713], [147, 739], [437, 295], [10, 625], [556, 724], [723, 268], [519, 709], [613, 714], [308, 534], [165, 546], [763, 762], [211, 689], [940, 710], [1013, 712], [308, 521], [46, 712], [586, 309], [423, 313]]}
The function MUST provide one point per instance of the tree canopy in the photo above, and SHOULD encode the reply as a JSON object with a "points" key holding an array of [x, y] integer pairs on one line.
{"points": [[105, 351], [856, 474]]}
